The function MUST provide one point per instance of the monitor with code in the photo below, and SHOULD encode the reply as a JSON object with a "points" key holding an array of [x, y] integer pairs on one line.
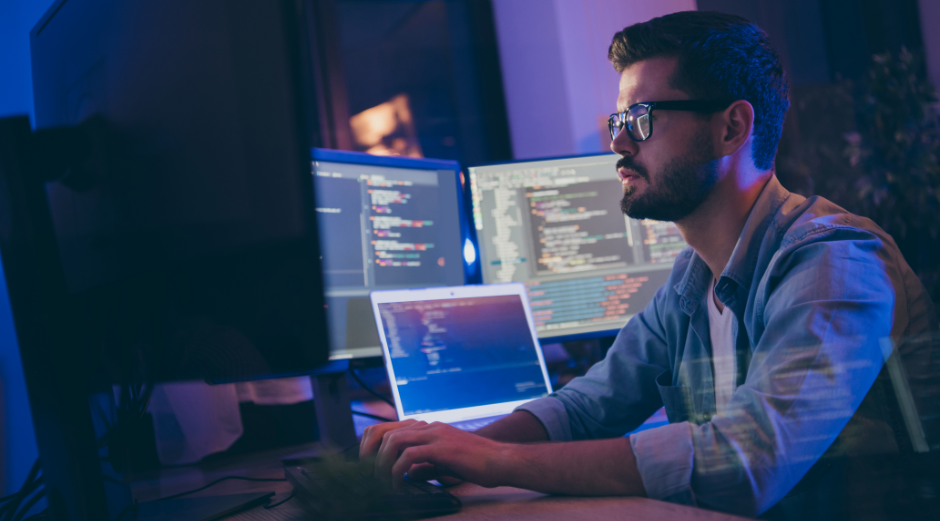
{"points": [[385, 223], [556, 226]]}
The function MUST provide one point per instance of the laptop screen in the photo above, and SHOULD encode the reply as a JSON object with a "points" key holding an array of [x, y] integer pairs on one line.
{"points": [[462, 352]]}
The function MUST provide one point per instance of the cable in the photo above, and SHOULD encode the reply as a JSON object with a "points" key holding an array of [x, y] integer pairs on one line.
{"points": [[33, 481], [279, 503], [29, 504], [41, 515], [369, 389], [181, 494], [132, 511], [373, 416], [13, 511]]}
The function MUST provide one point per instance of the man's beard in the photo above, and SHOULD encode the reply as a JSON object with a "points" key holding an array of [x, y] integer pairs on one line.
{"points": [[680, 188]]}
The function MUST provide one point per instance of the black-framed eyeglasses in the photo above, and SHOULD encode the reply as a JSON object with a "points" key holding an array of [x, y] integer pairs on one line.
{"points": [[638, 119]]}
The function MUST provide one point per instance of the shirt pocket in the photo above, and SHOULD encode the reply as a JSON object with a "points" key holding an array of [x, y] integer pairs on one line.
{"points": [[676, 399]]}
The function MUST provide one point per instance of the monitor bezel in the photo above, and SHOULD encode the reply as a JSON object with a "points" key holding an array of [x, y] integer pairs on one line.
{"points": [[537, 159]]}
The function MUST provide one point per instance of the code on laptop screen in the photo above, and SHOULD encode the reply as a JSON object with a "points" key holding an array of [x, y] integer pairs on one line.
{"points": [[457, 353]]}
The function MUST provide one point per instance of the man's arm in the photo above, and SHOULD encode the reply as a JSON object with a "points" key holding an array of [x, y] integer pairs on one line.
{"points": [[599, 467], [518, 427], [614, 398], [829, 303]]}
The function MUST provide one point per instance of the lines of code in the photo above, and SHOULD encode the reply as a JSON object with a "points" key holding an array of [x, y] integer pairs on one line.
{"points": [[393, 197], [603, 299], [443, 350], [556, 225], [382, 227], [576, 230], [663, 241]]}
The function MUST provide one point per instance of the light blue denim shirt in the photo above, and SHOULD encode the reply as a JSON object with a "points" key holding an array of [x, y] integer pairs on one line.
{"points": [[815, 291]]}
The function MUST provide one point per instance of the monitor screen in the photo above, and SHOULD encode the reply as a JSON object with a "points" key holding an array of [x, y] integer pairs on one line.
{"points": [[385, 223], [556, 226], [443, 360]]}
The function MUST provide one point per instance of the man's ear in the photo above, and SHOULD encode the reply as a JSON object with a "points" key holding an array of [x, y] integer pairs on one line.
{"points": [[736, 127]]}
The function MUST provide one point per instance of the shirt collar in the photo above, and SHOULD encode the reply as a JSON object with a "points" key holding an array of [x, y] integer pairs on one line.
{"points": [[734, 282]]}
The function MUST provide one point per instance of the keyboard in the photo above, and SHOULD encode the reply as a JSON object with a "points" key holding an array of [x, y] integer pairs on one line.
{"points": [[342, 491], [479, 423]]}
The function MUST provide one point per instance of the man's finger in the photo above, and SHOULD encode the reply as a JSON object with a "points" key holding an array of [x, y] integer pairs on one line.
{"points": [[422, 472], [409, 457], [372, 436], [393, 442]]}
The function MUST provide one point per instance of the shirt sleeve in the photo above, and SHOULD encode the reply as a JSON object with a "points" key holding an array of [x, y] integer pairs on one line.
{"points": [[829, 304], [618, 393], [665, 458], [821, 312]]}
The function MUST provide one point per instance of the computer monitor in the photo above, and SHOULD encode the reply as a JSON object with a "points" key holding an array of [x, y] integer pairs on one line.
{"points": [[197, 243], [190, 250], [386, 222], [556, 225]]}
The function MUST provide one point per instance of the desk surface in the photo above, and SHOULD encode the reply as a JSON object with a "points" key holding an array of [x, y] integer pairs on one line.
{"points": [[479, 503], [506, 503]]}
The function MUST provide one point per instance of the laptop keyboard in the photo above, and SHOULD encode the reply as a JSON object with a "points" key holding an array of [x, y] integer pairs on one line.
{"points": [[479, 423]]}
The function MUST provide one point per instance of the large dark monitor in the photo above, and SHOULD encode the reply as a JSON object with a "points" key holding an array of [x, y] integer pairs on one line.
{"points": [[196, 244], [185, 246], [556, 225], [386, 222]]}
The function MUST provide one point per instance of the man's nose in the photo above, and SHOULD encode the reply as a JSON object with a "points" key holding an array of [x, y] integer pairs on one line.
{"points": [[623, 145]]}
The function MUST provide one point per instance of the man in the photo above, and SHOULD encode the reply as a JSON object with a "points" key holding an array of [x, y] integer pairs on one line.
{"points": [[762, 346]]}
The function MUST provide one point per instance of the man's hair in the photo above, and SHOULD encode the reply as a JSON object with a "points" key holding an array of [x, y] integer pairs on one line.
{"points": [[720, 57]]}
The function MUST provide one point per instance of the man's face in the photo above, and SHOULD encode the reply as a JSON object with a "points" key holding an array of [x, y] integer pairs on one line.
{"points": [[666, 177]]}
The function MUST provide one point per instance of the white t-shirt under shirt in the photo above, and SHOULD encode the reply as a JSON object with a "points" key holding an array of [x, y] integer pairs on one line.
{"points": [[722, 338]]}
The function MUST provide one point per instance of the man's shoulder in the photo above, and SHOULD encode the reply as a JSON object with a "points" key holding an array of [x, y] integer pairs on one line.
{"points": [[817, 219]]}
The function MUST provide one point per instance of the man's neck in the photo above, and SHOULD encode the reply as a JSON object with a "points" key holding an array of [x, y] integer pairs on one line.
{"points": [[714, 228]]}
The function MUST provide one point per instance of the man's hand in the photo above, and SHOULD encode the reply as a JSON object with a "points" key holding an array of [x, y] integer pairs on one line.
{"points": [[372, 436], [431, 451], [437, 450], [518, 427]]}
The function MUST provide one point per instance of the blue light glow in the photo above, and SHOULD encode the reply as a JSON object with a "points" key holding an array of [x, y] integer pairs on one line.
{"points": [[469, 252]]}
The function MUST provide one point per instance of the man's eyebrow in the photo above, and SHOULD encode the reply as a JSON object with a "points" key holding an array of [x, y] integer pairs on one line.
{"points": [[625, 106]]}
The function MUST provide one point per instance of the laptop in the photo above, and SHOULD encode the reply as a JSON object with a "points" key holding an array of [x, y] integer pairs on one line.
{"points": [[463, 355]]}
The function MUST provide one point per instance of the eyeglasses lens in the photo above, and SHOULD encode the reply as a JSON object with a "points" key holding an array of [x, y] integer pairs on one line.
{"points": [[615, 124], [638, 123]]}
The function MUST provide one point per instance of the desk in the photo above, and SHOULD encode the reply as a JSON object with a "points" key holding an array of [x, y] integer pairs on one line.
{"points": [[504, 503]]}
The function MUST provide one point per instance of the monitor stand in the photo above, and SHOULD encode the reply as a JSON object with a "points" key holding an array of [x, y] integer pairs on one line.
{"points": [[334, 412]]}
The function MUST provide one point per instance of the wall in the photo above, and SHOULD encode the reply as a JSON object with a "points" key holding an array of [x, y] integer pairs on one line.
{"points": [[18, 450], [929, 22], [557, 80], [796, 31]]}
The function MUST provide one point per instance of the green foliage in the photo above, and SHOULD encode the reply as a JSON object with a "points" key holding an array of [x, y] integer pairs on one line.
{"points": [[344, 490], [882, 163], [896, 147]]}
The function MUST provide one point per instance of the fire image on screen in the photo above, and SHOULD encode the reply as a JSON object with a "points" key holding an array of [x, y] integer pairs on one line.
{"points": [[457, 353]]}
